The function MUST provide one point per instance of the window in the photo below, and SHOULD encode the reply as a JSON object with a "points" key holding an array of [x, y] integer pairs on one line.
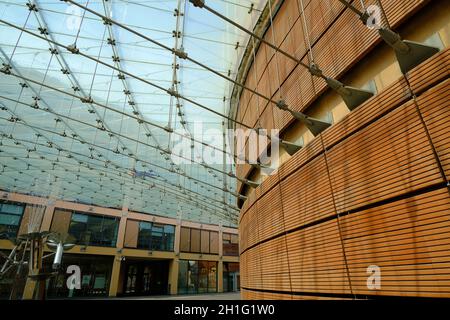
{"points": [[197, 276], [95, 276], [169, 237], [199, 241], [145, 235], [10, 217], [230, 244], [155, 237], [231, 278], [94, 230]]}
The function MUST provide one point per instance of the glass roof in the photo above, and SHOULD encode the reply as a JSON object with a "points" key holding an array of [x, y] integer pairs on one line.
{"points": [[96, 125]]}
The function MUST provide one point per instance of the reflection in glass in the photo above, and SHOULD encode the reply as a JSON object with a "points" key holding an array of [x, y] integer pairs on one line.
{"points": [[156, 237], [197, 276], [10, 216], [94, 230]]}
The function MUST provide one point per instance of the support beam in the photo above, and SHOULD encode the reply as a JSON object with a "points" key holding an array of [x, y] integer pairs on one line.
{"points": [[115, 276]]}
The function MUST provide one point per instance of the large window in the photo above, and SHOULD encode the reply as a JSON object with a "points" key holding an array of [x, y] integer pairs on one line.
{"points": [[199, 241], [10, 217], [95, 276], [197, 276], [230, 244], [94, 230], [155, 237], [231, 278]]}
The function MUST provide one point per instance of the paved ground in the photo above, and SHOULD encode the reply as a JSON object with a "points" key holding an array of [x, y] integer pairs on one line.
{"points": [[209, 296]]}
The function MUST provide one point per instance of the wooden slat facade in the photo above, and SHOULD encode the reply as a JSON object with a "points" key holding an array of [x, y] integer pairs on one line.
{"points": [[373, 189]]}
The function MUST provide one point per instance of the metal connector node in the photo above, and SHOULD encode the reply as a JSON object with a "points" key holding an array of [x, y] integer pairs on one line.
{"points": [[352, 97], [409, 54]]}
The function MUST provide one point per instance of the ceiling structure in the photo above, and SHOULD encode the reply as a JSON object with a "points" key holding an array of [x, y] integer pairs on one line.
{"points": [[96, 94]]}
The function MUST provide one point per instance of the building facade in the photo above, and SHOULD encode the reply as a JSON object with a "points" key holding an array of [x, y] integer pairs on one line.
{"points": [[362, 210], [123, 253]]}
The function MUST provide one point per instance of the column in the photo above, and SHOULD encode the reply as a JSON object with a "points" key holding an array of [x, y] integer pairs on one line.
{"points": [[115, 275], [174, 264], [173, 276], [220, 275]]}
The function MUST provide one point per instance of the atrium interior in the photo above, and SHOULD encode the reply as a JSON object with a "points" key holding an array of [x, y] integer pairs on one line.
{"points": [[259, 149]]}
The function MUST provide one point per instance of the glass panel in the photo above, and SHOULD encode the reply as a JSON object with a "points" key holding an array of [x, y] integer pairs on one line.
{"points": [[183, 276], [78, 227], [10, 216], [192, 286], [212, 41], [94, 230], [108, 232], [8, 219], [95, 276], [157, 236], [212, 276], [169, 237], [12, 209], [203, 271], [230, 276], [145, 234], [77, 217]]}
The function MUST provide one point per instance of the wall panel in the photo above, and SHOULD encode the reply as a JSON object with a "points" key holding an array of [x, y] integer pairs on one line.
{"points": [[370, 190]]}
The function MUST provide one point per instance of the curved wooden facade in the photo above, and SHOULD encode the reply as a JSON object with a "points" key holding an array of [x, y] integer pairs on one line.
{"points": [[371, 190]]}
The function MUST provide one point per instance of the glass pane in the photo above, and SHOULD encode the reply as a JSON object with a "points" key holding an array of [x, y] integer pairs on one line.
{"points": [[78, 227], [109, 231], [183, 276], [203, 270], [193, 277], [145, 233], [8, 219], [212, 276], [157, 238], [76, 217], [12, 208], [94, 230]]}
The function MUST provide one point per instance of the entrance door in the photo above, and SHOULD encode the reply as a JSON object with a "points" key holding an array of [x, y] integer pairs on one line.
{"points": [[146, 277]]}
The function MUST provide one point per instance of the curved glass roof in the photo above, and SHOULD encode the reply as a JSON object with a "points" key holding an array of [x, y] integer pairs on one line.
{"points": [[85, 114]]}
